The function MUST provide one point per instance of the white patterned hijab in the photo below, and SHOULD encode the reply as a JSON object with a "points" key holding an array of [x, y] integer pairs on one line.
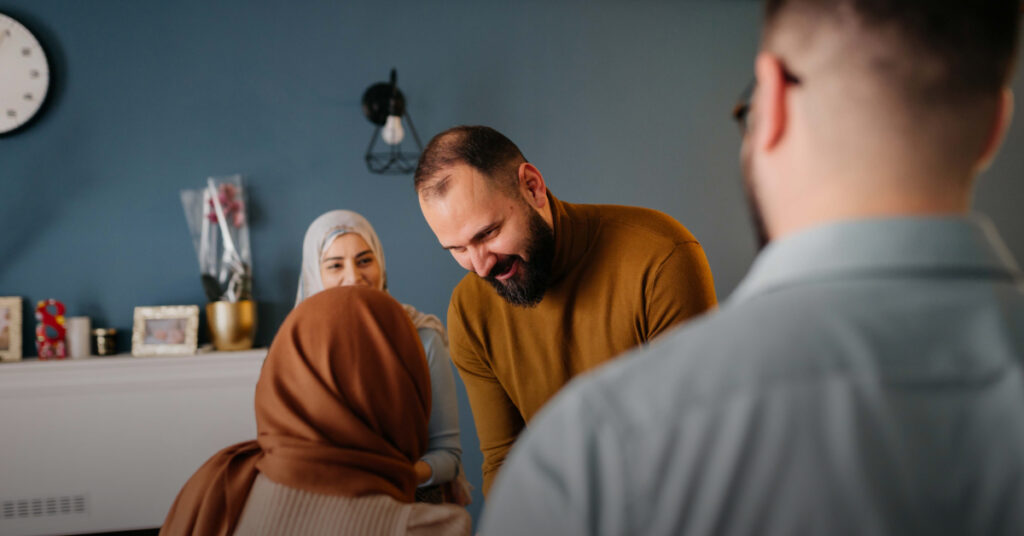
{"points": [[321, 234]]}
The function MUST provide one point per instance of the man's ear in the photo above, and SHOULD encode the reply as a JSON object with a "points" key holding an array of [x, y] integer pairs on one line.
{"points": [[1000, 125], [531, 184], [769, 108]]}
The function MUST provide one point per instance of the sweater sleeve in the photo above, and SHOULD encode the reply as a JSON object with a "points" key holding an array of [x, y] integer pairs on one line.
{"points": [[681, 288], [497, 419], [438, 520], [443, 448]]}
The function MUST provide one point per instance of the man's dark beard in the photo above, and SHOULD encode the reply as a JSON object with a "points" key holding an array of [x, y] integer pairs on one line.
{"points": [[527, 287], [756, 218], [753, 207]]}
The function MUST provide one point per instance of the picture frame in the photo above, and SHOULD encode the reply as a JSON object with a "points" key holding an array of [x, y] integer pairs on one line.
{"points": [[165, 330], [10, 328]]}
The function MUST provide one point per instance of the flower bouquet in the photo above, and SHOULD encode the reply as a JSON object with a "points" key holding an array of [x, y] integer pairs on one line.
{"points": [[220, 234], [216, 217]]}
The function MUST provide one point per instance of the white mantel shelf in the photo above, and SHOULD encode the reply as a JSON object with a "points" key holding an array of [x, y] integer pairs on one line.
{"points": [[105, 443], [125, 372]]}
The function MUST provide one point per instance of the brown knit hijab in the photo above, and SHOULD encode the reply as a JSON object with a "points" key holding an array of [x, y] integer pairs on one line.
{"points": [[342, 406]]}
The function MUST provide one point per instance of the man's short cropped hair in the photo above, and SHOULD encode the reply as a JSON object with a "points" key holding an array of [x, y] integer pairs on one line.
{"points": [[973, 43], [483, 148]]}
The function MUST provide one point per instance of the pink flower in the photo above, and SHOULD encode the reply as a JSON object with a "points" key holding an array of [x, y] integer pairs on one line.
{"points": [[234, 209]]}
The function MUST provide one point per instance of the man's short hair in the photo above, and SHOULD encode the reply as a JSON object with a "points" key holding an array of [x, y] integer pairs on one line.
{"points": [[483, 148], [973, 43]]}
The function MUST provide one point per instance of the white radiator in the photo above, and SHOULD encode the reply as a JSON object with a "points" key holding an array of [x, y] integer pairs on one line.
{"points": [[104, 444]]}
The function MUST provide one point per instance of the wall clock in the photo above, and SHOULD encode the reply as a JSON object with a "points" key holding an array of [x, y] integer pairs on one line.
{"points": [[24, 75]]}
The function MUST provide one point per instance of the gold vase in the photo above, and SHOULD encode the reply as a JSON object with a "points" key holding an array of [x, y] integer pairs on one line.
{"points": [[232, 324]]}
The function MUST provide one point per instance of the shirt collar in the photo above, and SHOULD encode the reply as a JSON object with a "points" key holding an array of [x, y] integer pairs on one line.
{"points": [[572, 239], [844, 249]]}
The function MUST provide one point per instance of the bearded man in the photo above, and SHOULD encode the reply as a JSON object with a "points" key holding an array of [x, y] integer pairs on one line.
{"points": [[555, 288]]}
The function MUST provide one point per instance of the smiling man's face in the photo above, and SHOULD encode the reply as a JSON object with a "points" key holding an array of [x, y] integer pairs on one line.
{"points": [[491, 232]]}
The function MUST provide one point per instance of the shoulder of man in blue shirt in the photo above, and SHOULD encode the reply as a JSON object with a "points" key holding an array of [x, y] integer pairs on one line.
{"points": [[602, 421], [805, 349]]}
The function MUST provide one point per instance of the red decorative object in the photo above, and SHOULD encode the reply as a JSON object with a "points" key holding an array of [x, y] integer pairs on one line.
{"points": [[50, 342], [232, 204]]}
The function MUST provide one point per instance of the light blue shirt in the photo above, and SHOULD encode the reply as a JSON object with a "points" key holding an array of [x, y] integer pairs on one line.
{"points": [[865, 378], [443, 448]]}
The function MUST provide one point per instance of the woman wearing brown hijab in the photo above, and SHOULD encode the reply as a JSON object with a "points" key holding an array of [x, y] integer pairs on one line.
{"points": [[341, 414]]}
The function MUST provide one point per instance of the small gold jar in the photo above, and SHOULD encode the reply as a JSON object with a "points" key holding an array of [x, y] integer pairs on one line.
{"points": [[106, 340], [232, 324]]}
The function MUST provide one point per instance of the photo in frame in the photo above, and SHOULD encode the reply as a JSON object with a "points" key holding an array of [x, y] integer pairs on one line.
{"points": [[165, 330], [10, 328]]}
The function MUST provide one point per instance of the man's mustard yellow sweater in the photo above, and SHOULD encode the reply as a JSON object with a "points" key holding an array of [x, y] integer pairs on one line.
{"points": [[621, 276]]}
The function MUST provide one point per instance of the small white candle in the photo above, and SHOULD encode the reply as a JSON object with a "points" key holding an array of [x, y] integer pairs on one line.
{"points": [[78, 330]]}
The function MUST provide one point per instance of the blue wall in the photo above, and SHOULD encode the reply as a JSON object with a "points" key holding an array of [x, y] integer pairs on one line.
{"points": [[622, 102]]}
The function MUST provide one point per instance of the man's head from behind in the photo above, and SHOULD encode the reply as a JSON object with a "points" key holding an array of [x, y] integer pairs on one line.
{"points": [[488, 206], [876, 107]]}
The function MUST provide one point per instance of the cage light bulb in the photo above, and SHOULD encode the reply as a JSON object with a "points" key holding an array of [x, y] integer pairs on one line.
{"points": [[393, 133]]}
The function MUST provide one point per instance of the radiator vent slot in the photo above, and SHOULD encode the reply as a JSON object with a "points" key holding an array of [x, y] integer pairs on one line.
{"points": [[62, 505]]}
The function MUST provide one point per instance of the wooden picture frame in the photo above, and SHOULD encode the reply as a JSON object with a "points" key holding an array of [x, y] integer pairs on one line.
{"points": [[165, 330], [10, 328]]}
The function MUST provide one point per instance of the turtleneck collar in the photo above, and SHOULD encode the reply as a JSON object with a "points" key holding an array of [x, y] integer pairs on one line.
{"points": [[571, 239]]}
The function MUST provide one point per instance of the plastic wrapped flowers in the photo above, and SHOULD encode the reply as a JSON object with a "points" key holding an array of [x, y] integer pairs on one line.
{"points": [[216, 217]]}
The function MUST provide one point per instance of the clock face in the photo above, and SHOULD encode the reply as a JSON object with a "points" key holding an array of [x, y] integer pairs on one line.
{"points": [[24, 74]]}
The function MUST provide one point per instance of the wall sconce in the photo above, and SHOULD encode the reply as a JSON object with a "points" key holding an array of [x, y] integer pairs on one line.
{"points": [[384, 106]]}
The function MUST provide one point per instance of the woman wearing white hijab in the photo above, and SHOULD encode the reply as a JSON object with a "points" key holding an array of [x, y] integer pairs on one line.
{"points": [[340, 249]]}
